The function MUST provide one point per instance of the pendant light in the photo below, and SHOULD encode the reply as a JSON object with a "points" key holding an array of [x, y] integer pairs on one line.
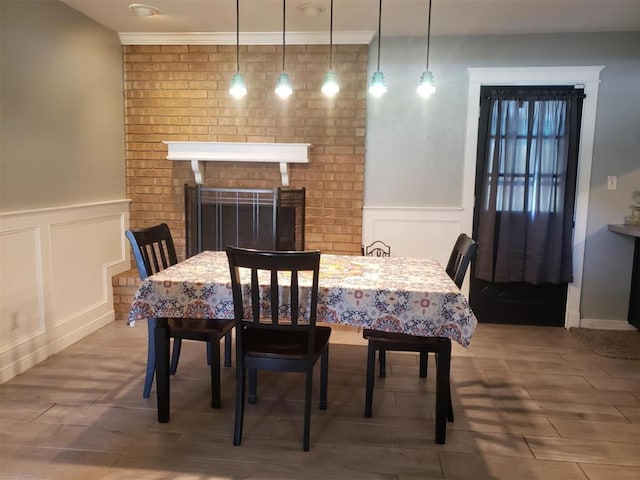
{"points": [[283, 86], [330, 84], [426, 86], [238, 87], [378, 85]]}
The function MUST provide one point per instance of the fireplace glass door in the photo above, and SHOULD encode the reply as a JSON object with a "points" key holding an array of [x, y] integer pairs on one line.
{"points": [[263, 219]]}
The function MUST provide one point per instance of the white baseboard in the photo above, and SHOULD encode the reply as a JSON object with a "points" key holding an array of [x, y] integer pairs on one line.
{"points": [[603, 324], [30, 358]]}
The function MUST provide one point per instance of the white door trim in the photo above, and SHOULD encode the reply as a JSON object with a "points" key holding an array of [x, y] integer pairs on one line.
{"points": [[589, 77]]}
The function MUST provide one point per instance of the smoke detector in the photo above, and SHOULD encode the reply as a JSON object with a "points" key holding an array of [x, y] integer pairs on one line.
{"points": [[143, 10]]}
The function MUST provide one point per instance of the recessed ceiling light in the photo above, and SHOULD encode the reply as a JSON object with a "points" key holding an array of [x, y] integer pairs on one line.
{"points": [[310, 10], [143, 10]]}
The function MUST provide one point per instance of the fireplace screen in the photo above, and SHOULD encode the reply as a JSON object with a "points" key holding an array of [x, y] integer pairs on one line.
{"points": [[264, 219]]}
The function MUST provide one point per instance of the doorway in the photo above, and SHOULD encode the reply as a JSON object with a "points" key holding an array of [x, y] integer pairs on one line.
{"points": [[589, 77], [526, 177]]}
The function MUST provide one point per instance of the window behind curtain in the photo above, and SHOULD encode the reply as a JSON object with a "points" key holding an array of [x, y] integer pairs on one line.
{"points": [[526, 185]]}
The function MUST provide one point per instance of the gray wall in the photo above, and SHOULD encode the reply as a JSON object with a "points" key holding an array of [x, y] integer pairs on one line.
{"points": [[61, 108], [415, 148]]}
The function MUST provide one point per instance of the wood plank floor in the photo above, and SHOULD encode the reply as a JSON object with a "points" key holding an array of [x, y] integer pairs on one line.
{"points": [[531, 403]]}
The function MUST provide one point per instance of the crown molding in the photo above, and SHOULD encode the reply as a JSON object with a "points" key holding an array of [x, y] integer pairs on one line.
{"points": [[253, 38]]}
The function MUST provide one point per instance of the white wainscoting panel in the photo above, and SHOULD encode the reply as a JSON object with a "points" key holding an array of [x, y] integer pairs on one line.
{"points": [[84, 247], [21, 305], [413, 231], [55, 278]]}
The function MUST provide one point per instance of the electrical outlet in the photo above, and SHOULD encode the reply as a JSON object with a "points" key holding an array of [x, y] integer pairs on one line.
{"points": [[14, 318]]}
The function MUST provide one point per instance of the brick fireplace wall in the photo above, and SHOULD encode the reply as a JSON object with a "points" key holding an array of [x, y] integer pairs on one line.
{"points": [[180, 93]]}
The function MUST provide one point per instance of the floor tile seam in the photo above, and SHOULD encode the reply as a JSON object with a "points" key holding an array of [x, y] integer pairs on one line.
{"points": [[562, 373], [633, 392], [77, 450], [534, 460], [583, 471], [616, 442], [191, 459], [616, 424], [636, 468], [618, 407], [526, 373], [635, 442], [603, 443], [507, 435]]}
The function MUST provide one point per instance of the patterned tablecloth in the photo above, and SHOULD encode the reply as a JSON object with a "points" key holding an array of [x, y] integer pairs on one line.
{"points": [[408, 295]]}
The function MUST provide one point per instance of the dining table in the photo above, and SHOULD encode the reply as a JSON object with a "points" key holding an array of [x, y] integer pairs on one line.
{"points": [[414, 296]]}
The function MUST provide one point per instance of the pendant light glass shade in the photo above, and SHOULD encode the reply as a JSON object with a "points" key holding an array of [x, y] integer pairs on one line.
{"points": [[238, 87], [426, 85], [330, 83], [378, 85], [283, 86]]}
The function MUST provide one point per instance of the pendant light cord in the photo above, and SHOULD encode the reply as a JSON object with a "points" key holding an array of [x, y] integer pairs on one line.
{"points": [[379, 31], [238, 36], [428, 33], [331, 39], [284, 14]]}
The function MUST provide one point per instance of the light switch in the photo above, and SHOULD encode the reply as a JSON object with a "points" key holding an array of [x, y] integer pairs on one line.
{"points": [[612, 182]]}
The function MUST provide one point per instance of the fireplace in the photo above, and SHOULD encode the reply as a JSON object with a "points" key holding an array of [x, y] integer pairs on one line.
{"points": [[265, 219]]}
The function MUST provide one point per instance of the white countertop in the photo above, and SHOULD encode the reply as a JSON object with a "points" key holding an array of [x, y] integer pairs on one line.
{"points": [[632, 230]]}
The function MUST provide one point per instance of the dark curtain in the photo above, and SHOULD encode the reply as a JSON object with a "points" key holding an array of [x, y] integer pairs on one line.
{"points": [[524, 219]]}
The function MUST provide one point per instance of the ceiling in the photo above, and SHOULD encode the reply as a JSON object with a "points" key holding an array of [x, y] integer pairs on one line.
{"points": [[399, 17]]}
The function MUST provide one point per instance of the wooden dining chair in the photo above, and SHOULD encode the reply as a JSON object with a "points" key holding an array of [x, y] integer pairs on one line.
{"points": [[153, 250], [463, 252], [276, 323], [376, 249]]}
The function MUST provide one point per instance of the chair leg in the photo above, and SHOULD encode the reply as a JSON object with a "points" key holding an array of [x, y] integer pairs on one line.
{"points": [[443, 393], [424, 359], [253, 385], [307, 409], [175, 356], [371, 366], [227, 349], [151, 358], [450, 416], [240, 392], [324, 375], [208, 353], [382, 356], [214, 362], [163, 391]]}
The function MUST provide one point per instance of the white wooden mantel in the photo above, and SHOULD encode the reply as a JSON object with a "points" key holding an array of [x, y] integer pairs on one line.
{"points": [[196, 152]]}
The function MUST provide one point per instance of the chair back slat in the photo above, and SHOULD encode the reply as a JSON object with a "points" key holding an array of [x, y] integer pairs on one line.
{"points": [[255, 297], [294, 297], [275, 297], [153, 249], [464, 250]]}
